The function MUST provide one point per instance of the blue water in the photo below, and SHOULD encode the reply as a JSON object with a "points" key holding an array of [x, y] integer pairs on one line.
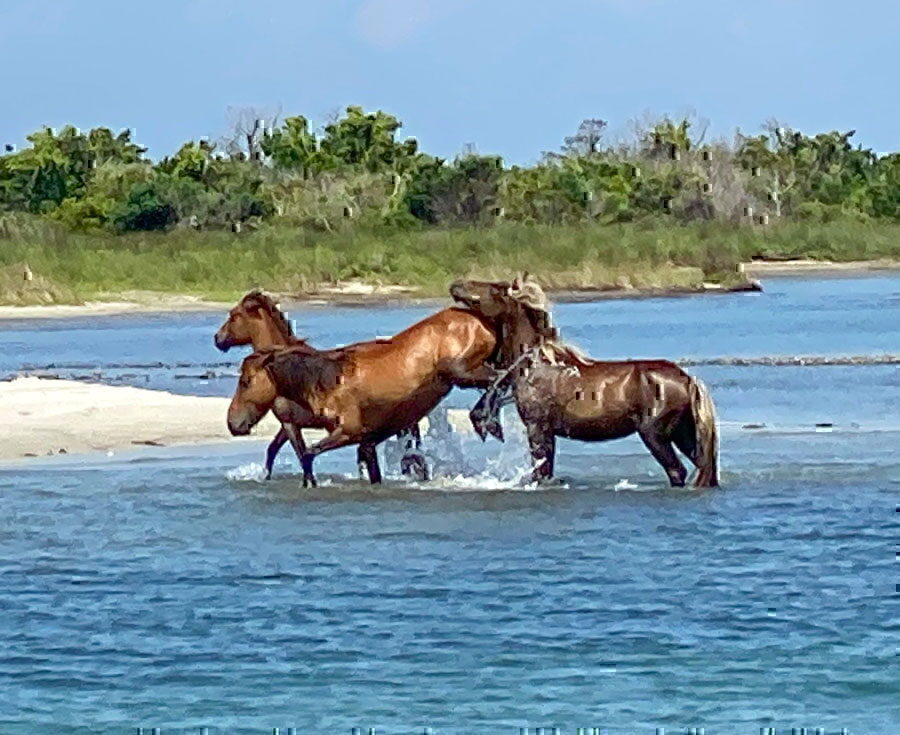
{"points": [[164, 589]]}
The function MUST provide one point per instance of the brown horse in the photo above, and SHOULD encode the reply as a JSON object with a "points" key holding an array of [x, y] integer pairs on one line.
{"points": [[256, 320], [367, 392], [559, 392]]}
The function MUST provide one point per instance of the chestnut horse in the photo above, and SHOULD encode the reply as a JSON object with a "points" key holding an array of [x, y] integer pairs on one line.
{"points": [[367, 392], [256, 320], [558, 392]]}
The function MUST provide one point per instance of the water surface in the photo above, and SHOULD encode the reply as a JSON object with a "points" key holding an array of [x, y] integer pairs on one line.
{"points": [[169, 588]]}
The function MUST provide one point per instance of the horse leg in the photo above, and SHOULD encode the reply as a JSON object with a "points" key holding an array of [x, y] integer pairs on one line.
{"points": [[334, 440], [272, 450], [543, 451], [684, 437], [281, 438], [367, 455], [413, 464], [661, 448], [480, 377], [485, 415], [291, 433], [361, 465]]}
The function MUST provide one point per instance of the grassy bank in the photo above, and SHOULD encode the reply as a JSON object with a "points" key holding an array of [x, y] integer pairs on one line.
{"points": [[68, 267]]}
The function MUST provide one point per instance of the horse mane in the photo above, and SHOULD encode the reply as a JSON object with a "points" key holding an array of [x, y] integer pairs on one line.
{"points": [[566, 354], [300, 375], [534, 306], [256, 299]]}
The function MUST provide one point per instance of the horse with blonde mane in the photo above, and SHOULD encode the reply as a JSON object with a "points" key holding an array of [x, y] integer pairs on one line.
{"points": [[256, 320], [364, 393], [561, 393]]}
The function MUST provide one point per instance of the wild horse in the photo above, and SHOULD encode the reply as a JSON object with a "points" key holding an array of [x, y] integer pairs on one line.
{"points": [[559, 392], [256, 320], [364, 393]]}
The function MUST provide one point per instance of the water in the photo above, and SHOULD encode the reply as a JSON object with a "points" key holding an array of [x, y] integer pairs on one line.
{"points": [[169, 588]]}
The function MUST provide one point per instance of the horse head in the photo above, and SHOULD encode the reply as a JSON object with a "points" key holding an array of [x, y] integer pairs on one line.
{"points": [[488, 298], [518, 309], [255, 319], [255, 393]]}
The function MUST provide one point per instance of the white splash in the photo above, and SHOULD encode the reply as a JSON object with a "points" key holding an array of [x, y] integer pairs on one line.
{"points": [[251, 472], [624, 484], [461, 462]]}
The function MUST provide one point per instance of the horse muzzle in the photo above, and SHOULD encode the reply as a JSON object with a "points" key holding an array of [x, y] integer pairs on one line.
{"points": [[240, 422], [238, 429], [460, 294], [222, 342]]}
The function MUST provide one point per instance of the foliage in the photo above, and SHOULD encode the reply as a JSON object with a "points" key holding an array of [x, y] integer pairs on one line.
{"points": [[356, 174]]}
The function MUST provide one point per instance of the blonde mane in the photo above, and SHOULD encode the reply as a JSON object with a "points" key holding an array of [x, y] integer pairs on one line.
{"points": [[528, 292]]}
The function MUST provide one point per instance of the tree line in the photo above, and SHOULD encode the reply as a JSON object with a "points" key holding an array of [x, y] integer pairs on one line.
{"points": [[357, 172]]}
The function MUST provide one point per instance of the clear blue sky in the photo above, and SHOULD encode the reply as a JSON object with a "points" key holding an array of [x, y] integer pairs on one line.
{"points": [[512, 76]]}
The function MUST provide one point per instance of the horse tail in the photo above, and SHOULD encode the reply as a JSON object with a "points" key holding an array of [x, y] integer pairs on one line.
{"points": [[706, 454]]}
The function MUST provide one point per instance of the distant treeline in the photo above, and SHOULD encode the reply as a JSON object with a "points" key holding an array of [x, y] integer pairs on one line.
{"points": [[356, 173]]}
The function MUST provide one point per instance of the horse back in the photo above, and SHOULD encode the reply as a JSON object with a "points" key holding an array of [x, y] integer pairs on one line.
{"points": [[608, 399]]}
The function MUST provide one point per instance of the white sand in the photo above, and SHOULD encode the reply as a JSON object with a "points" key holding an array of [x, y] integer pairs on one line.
{"points": [[105, 308], [40, 417], [805, 266]]}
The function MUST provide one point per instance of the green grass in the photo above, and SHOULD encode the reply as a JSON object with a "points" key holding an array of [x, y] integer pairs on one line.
{"points": [[69, 267]]}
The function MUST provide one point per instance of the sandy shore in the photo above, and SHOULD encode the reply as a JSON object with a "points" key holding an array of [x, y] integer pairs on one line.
{"points": [[163, 304], [761, 268], [40, 417]]}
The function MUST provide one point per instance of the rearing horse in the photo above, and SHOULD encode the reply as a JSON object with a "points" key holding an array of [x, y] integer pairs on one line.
{"points": [[558, 392], [364, 393], [256, 320]]}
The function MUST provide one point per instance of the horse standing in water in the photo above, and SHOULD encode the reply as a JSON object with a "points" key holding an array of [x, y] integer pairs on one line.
{"points": [[558, 392], [256, 320], [367, 392]]}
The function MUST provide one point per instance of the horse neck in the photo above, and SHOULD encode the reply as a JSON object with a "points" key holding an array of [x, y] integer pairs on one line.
{"points": [[518, 335], [272, 334]]}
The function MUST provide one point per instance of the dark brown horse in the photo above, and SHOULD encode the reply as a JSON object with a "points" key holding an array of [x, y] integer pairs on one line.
{"points": [[367, 392], [558, 392], [256, 320]]}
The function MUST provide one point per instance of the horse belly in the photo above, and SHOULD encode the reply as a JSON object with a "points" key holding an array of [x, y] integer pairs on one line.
{"points": [[388, 418], [597, 415], [602, 426]]}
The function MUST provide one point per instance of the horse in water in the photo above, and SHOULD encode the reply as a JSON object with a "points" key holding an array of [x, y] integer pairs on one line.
{"points": [[559, 392], [364, 393], [256, 320]]}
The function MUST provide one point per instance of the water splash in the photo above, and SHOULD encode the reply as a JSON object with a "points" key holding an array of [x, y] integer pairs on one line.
{"points": [[250, 472], [459, 461], [624, 484]]}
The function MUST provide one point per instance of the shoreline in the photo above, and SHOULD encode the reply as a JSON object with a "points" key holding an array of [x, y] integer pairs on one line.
{"points": [[44, 417], [52, 417], [353, 295]]}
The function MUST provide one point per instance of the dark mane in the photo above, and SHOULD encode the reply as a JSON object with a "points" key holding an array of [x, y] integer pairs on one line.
{"points": [[256, 299], [300, 375]]}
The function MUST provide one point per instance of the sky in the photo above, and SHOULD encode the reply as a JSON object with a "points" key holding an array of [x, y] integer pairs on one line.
{"points": [[511, 77]]}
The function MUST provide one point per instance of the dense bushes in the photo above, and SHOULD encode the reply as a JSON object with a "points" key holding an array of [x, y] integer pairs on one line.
{"points": [[357, 174]]}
